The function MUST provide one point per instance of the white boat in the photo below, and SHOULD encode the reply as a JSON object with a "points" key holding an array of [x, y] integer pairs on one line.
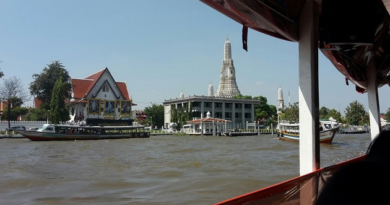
{"points": [[50, 132], [290, 131]]}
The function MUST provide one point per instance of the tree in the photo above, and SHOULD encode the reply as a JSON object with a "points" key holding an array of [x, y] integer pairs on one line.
{"points": [[335, 115], [58, 110], [355, 114], [16, 109], [36, 114], [12, 91], [266, 112], [238, 96], [387, 115], [291, 113], [43, 83], [155, 113], [324, 113], [242, 97], [174, 118]]}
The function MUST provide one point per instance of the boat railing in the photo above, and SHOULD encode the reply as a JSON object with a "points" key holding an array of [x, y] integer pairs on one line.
{"points": [[290, 191]]}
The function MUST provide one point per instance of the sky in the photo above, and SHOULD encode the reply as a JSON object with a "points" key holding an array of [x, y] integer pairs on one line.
{"points": [[159, 48]]}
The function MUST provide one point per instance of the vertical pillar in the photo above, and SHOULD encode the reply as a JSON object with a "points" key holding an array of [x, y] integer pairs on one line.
{"points": [[213, 129], [243, 113], [308, 89], [212, 109], [253, 112], [234, 114], [309, 153], [373, 102], [201, 124], [223, 110], [201, 109]]}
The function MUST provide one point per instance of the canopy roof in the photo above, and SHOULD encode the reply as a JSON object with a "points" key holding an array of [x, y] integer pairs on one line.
{"points": [[208, 120]]}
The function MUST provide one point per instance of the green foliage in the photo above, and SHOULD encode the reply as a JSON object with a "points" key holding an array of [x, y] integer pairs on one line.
{"points": [[387, 115], [181, 115], [355, 114], [335, 115], [291, 113], [155, 113], [58, 110], [326, 113], [37, 114], [242, 97], [15, 112], [173, 114], [265, 111], [44, 82], [238, 96]]}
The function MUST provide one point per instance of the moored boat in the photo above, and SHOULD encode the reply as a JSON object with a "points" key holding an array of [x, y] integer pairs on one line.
{"points": [[50, 132], [290, 131]]}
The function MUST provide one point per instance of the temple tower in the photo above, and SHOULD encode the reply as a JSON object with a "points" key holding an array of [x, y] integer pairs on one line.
{"points": [[228, 85], [211, 90], [280, 99]]}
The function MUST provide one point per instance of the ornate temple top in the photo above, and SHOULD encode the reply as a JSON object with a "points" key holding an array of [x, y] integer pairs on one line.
{"points": [[228, 85], [211, 90]]}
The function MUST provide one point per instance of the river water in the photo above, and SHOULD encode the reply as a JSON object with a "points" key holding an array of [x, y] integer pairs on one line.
{"points": [[157, 170]]}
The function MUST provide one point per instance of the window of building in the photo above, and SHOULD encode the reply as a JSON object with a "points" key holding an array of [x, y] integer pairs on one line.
{"points": [[228, 115], [218, 114], [207, 104], [238, 115], [105, 88], [247, 115], [238, 105], [248, 106], [196, 104], [218, 104], [228, 105], [196, 114]]}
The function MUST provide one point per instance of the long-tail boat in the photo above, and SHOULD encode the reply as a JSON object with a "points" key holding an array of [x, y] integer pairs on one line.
{"points": [[50, 132]]}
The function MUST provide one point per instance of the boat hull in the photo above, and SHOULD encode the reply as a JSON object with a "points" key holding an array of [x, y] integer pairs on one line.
{"points": [[39, 136], [326, 136]]}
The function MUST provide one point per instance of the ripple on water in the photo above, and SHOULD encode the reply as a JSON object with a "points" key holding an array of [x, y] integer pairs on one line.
{"points": [[154, 171]]}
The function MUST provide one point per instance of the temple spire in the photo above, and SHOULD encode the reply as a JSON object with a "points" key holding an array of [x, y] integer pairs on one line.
{"points": [[228, 85]]}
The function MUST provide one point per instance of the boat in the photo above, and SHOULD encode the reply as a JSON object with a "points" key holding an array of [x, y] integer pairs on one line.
{"points": [[354, 36], [290, 131], [54, 132]]}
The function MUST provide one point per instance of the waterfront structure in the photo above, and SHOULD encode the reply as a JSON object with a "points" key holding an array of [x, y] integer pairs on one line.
{"points": [[227, 85], [238, 111], [99, 97], [206, 126]]}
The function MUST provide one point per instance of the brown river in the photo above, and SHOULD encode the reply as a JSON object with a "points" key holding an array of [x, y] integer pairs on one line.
{"points": [[158, 170]]}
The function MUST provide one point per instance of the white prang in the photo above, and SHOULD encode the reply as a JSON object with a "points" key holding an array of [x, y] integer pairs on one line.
{"points": [[228, 85]]}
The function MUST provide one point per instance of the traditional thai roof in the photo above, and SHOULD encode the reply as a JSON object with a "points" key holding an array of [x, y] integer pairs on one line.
{"points": [[82, 87]]}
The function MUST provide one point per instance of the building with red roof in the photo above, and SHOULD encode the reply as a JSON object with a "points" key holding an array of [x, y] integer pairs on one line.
{"points": [[99, 96]]}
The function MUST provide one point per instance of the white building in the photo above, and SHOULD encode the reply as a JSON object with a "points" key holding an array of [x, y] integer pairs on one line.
{"points": [[222, 105]]}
